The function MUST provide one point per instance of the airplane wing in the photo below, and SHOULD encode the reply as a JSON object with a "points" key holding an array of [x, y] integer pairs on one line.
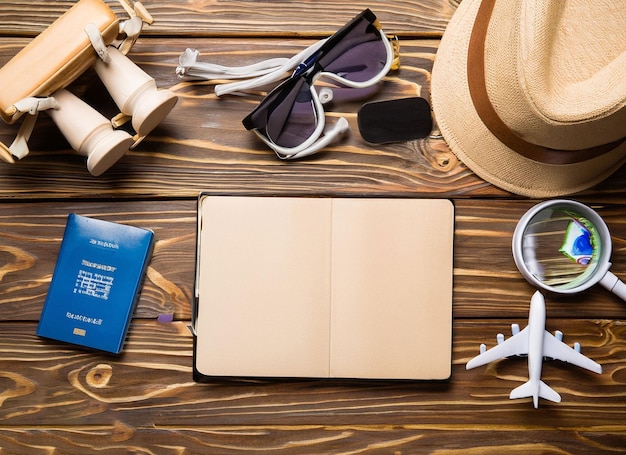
{"points": [[559, 350], [515, 345]]}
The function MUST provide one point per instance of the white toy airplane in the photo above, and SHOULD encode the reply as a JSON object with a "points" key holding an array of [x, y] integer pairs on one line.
{"points": [[537, 343]]}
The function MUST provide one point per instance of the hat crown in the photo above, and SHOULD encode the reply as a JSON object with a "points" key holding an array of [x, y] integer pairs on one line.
{"points": [[531, 94], [556, 71]]}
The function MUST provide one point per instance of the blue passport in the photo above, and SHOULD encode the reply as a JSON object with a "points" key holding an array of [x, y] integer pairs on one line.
{"points": [[96, 283]]}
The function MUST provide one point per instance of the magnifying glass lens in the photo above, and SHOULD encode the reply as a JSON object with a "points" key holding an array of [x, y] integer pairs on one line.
{"points": [[561, 248]]}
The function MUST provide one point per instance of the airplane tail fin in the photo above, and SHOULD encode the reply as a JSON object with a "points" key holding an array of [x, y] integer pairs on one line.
{"points": [[541, 389]]}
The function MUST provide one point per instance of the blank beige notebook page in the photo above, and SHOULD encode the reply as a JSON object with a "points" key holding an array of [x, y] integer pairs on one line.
{"points": [[264, 287], [327, 287], [391, 288]]}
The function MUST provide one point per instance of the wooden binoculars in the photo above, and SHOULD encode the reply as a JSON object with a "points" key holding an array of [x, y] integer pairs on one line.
{"points": [[88, 35]]}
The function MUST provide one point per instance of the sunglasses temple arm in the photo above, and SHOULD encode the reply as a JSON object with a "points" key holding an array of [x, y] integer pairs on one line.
{"points": [[188, 66], [340, 127], [276, 74], [262, 73]]}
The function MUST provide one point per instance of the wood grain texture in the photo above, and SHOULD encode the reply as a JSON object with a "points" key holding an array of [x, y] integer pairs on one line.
{"points": [[145, 398], [31, 233], [59, 399], [198, 18], [202, 145]]}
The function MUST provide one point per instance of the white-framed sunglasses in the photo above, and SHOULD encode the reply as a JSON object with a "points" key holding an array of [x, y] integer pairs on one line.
{"points": [[291, 118]]}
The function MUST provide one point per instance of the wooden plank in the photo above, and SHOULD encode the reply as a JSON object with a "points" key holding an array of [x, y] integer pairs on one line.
{"points": [[494, 439], [149, 388], [202, 144], [315, 439], [486, 281], [31, 235], [259, 18]]}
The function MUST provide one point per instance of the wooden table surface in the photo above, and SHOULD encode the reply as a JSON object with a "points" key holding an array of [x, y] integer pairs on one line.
{"points": [[57, 399]]}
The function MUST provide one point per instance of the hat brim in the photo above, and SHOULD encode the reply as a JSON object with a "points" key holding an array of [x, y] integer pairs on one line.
{"points": [[478, 148]]}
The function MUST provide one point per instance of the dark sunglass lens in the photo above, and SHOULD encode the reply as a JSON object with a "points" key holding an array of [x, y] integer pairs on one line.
{"points": [[360, 56], [293, 120]]}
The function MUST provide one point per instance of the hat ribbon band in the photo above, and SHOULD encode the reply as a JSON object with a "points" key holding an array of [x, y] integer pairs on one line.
{"points": [[489, 116]]}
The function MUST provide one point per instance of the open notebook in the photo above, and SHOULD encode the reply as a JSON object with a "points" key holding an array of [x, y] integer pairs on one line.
{"points": [[323, 287]]}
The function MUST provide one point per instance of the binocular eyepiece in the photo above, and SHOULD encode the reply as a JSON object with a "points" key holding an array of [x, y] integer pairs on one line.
{"points": [[89, 132], [135, 94]]}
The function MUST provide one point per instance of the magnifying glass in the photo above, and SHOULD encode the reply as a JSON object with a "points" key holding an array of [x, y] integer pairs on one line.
{"points": [[564, 247]]}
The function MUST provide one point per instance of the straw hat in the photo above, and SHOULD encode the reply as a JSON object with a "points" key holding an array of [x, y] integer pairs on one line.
{"points": [[531, 94]]}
